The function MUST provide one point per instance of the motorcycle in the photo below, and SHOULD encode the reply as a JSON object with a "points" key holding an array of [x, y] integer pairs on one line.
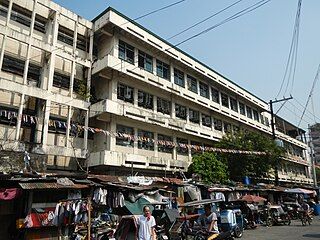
{"points": [[305, 217]]}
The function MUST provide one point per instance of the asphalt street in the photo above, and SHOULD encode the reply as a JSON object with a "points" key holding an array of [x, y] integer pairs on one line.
{"points": [[293, 232]]}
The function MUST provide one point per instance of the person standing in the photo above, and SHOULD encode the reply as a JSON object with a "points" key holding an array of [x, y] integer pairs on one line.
{"points": [[147, 225]]}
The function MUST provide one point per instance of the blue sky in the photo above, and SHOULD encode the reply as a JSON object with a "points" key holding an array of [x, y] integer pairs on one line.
{"points": [[251, 51]]}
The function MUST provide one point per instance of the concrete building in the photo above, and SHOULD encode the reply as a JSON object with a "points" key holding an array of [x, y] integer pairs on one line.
{"points": [[315, 141], [145, 87], [45, 62], [141, 88]]}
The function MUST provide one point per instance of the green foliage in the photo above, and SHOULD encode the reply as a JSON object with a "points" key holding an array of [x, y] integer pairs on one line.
{"points": [[240, 165], [209, 168], [318, 174]]}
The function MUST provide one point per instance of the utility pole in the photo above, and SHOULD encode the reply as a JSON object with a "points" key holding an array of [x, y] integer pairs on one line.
{"points": [[271, 102], [314, 175]]}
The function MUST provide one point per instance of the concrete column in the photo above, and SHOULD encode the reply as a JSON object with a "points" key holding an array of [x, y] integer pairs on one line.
{"points": [[112, 139], [73, 66], [26, 65], [173, 109], [4, 40], [212, 124], [154, 66], [155, 106], [171, 74], [189, 151], [188, 116], [174, 151], [156, 153], [90, 56], [86, 124], [53, 54], [46, 122], [113, 85], [68, 126], [200, 119], [136, 54], [135, 145], [135, 97], [19, 119]]}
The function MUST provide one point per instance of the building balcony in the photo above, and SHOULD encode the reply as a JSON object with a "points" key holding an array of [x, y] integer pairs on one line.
{"points": [[127, 159]]}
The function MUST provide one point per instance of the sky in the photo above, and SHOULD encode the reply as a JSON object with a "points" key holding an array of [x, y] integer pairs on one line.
{"points": [[252, 50]]}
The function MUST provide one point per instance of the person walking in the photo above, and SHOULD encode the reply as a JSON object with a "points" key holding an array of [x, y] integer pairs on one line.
{"points": [[147, 225]]}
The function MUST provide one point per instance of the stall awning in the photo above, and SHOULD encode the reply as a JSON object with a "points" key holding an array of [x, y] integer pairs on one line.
{"points": [[50, 185]]}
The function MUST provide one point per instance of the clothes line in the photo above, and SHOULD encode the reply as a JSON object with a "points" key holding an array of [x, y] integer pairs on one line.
{"points": [[76, 127]]}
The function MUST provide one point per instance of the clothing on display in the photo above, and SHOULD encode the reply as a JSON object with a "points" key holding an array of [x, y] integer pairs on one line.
{"points": [[100, 196]]}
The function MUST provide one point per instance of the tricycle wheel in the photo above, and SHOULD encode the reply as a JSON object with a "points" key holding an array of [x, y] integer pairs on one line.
{"points": [[238, 232]]}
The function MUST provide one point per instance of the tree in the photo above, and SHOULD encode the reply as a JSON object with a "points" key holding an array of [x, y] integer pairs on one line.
{"points": [[209, 168], [241, 165]]}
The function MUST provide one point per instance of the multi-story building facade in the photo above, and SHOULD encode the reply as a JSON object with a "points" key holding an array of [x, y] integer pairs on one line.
{"points": [[45, 62], [147, 88], [149, 96], [315, 142]]}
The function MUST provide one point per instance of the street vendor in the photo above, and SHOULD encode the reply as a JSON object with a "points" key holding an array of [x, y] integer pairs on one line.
{"points": [[209, 219], [147, 225]]}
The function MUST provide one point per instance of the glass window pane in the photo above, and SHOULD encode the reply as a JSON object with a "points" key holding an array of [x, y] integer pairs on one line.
{"points": [[224, 100], [192, 84]]}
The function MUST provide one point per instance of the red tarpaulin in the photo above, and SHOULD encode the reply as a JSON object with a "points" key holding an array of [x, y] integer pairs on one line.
{"points": [[253, 199], [9, 193]]}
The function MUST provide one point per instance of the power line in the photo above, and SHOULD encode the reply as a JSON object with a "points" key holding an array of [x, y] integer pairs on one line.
{"points": [[204, 20], [307, 111], [292, 57], [238, 14], [233, 17], [310, 94]]}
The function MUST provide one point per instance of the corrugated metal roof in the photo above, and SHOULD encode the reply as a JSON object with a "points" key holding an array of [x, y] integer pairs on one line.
{"points": [[50, 185]]}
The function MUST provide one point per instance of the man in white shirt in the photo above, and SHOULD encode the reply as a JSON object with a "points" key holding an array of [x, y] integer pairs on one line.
{"points": [[209, 219], [147, 225]]}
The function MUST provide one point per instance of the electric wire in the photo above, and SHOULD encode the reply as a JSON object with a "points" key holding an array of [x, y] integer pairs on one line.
{"points": [[310, 94], [233, 17], [204, 20], [292, 57]]}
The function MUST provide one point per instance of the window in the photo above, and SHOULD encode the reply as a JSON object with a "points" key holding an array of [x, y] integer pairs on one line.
{"points": [[20, 15], [194, 116], [125, 93], [242, 109], [182, 147], [145, 140], [165, 143], [145, 61], [233, 104], [65, 35], [204, 89], [163, 70], [192, 84], [126, 52], [266, 121], [249, 112], [206, 120], [179, 78], [125, 136], [61, 81], [40, 23], [4, 9], [255, 115], [215, 95], [145, 100], [16, 66], [163, 106], [224, 100], [181, 111], [227, 127], [262, 119], [82, 42], [217, 125]]}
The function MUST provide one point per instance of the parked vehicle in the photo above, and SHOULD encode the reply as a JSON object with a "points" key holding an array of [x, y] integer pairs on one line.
{"points": [[186, 226], [292, 209], [231, 220], [278, 215]]}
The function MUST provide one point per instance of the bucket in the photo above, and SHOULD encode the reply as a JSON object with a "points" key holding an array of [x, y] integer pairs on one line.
{"points": [[246, 180], [317, 209]]}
